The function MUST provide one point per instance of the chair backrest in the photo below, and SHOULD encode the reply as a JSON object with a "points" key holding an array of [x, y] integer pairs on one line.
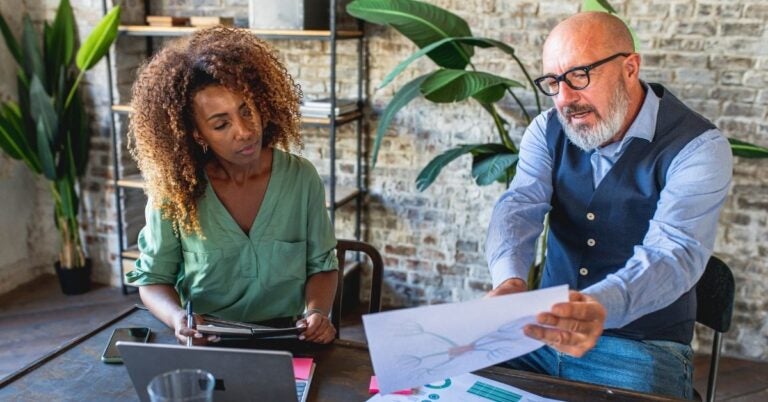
{"points": [[715, 292], [714, 296], [374, 305]]}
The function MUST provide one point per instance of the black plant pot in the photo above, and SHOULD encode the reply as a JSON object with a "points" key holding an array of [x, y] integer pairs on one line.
{"points": [[74, 281]]}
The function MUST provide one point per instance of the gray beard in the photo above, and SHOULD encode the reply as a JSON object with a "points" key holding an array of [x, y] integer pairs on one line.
{"points": [[587, 137]]}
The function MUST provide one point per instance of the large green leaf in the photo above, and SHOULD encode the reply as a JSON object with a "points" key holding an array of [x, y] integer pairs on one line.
{"points": [[423, 24], [79, 134], [46, 126], [430, 172], [60, 42], [445, 86], [13, 138], [472, 41], [404, 96], [97, 44], [32, 59], [490, 168], [10, 40], [44, 151], [747, 150], [41, 107]]}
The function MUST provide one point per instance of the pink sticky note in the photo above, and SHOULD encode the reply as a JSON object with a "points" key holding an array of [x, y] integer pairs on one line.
{"points": [[301, 367], [373, 388]]}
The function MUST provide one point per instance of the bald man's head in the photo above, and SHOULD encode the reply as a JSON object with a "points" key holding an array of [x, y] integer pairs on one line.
{"points": [[599, 31]]}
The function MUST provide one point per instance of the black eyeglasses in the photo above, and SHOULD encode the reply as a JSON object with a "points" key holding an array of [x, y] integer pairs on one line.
{"points": [[577, 78]]}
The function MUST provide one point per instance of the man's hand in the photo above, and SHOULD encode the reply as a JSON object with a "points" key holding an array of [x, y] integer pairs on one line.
{"points": [[511, 285], [572, 327]]}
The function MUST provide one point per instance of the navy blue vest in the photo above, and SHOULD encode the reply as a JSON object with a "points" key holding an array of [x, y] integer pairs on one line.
{"points": [[593, 232]]}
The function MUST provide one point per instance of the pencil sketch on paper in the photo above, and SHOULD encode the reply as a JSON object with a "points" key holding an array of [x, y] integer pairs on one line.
{"points": [[492, 346]]}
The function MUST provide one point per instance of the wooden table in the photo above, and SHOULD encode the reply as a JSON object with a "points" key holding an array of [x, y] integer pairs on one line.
{"points": [[75, 371]]}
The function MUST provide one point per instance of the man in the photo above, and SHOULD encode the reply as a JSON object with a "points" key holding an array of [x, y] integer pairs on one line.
{"points": [[633, 181]]}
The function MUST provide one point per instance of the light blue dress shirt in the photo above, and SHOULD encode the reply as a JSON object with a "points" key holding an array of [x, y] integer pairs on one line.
{"points": [[680, 237]]}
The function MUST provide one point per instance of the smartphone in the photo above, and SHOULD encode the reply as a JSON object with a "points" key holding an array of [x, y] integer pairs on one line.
{"points": [[135, 334]]}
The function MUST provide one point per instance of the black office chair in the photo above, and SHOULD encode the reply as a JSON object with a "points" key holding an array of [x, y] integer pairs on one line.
{"points": [[714, 297], [374, 305]]}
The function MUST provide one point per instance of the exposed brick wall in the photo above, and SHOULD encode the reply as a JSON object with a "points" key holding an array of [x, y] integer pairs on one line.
{"points": [[711, 53]]}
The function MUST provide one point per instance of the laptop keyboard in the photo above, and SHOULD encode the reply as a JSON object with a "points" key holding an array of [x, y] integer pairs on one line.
{"points": [[301, 390]]}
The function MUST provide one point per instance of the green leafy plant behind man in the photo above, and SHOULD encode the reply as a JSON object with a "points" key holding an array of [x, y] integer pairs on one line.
{"points": [[447, 40], [47, 128]]}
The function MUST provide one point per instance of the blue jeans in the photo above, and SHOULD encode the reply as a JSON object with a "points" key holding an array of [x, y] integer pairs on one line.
{"points": [[658, 367]]}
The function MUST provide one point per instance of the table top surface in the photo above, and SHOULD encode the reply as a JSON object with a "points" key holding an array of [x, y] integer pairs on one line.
{"points": [[75, 371]]}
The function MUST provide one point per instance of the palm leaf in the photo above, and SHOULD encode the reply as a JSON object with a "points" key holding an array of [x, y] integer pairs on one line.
{"points": [[46, 125], [10, 40], [430, 172], [79, 134], [747, 150], [490, 168], [32, 59], [472, 41], [404, 96], [423, 24], [96, 45], [60, 42], [445, 86], [44, 151], [13, 138]]}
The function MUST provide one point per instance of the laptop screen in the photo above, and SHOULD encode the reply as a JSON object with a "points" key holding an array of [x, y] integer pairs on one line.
{"points": [[241, 374]]}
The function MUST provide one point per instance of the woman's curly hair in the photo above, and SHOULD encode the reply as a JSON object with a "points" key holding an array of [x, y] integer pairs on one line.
{"points": [[162, 124]]}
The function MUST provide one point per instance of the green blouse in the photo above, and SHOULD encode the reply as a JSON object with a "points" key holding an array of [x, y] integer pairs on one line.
{"points": [[242, 277]]}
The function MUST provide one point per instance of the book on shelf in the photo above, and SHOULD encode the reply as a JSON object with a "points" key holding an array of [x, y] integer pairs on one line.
{"points": [[211, 21], [167, 21], [322, 107], [235, 329]]}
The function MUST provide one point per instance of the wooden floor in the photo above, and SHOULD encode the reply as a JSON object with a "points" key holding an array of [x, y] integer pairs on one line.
{"points": [[37, 318]]}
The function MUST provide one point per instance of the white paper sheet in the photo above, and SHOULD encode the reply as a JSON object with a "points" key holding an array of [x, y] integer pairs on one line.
{"points": [[464, 388], [416, 346]]}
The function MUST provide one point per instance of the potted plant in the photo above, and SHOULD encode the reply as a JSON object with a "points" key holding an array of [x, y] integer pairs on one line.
{"points": [[448, 41], [47, 128]]}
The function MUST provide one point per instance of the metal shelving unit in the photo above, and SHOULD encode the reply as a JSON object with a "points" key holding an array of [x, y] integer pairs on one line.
{"points": [[336, 196]]}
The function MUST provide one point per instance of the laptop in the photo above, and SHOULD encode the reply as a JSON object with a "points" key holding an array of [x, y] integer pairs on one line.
{"points": [[241, 374]]}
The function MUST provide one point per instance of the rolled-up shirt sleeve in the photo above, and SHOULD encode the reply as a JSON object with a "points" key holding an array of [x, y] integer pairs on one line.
{"points": [[518, 217], [160, 252], [680, 237]]}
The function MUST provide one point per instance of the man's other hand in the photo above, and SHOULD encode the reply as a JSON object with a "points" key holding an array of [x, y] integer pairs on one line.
{"points": [[509, 286], [572, 327]]}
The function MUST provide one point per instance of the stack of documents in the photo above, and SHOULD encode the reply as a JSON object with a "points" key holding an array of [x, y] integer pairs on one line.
{"points": [[322, 107]]}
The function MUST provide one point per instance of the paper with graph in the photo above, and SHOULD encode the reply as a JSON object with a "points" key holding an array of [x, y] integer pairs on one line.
{"points": [[416, 346]]}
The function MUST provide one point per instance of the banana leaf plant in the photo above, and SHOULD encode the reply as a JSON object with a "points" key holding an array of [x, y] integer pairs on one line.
{"points": [[47, 128], [448, 41]]}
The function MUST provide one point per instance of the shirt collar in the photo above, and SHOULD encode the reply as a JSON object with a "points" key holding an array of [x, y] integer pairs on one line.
{"points": [[644, 125]]}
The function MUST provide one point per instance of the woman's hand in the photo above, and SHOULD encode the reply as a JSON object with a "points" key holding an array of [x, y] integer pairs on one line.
{"points": [[318, 328], [183, 332]]}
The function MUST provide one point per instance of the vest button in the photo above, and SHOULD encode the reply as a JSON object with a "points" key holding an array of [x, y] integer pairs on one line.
{"points": [[590, 216], [591, 242], [583, 271]]}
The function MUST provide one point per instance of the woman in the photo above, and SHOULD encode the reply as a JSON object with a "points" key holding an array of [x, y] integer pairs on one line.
{"points": [[234, 223]]}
